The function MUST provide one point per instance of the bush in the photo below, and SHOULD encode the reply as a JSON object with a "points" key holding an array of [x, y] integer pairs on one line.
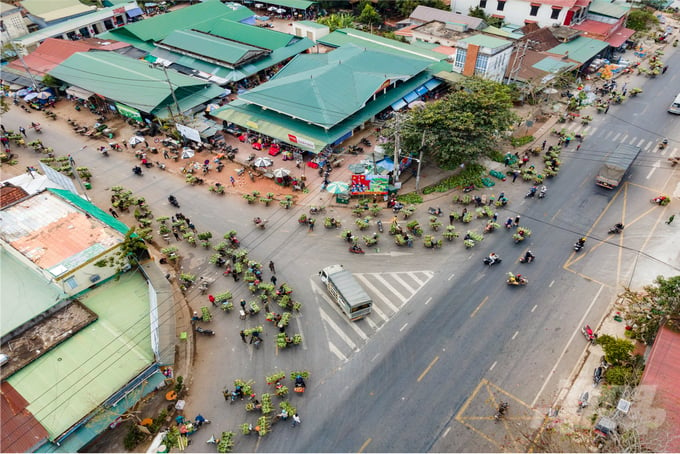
{"points": [[410, 198], [519, 141], [133, 437], [472, 174], [620, 375]]}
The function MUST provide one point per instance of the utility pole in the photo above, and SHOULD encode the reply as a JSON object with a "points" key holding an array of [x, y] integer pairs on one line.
{"points": [[77, 176], [397, 130], [420, 161], [23, 63], [172, 91]]}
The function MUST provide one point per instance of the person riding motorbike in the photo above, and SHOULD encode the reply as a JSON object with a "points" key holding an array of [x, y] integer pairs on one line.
{"points": [[532, 191], [541, 194], [581, 241], [508, 223], [492, 258], [299, 382], [257, 220], [137, 170], [529, 257], [355, 248], [664, 143]]}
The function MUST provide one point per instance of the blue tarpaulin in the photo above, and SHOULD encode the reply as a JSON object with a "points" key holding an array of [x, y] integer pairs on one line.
{"points": [[432, 84], [411, 96], [134, 12], [421, 90], [398, 104]]}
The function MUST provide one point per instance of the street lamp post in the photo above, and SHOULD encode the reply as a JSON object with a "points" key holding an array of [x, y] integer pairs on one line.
{"points": [[72, 162]]}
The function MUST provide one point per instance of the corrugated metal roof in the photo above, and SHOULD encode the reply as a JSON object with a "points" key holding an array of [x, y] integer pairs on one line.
{"points": [[55, 9], [662, 372], [427, 14], [212, 47], [132, 82], [311, 24], [553, 65], [156, 28], [295, 4], [486, 41], [248, 34], [21, 432], [324, 89], [580, 49], [607, 8]]}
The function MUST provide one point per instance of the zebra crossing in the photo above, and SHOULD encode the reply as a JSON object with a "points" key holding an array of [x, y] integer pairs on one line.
{"points": [[647, 145], [390, 293]]}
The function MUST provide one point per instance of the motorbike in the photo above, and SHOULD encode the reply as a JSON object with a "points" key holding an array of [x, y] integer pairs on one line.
{"points": [[207, 332], [532, 192], [260, 222], [137, 171], [502, 408], [317, 210], [541, 193], [469, 188], [380, 226], [105, 152], [489, 260], [527, 258], [203, 287], [160, 165], [173, 201], [356, 250], [597, 375], [37, 127], [582, 402], [299, 384], [661, 200], [618, 228], [663, 144], [365, 142], [435, 211], [516, 280], [579, 244], [589, 334]]}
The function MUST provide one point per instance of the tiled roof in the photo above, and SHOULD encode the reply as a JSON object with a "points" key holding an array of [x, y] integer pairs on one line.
{"points": [[21, 432], [427, 14], [10, 194]]}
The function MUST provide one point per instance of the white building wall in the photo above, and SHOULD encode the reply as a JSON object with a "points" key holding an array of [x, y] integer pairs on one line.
{"points": [[79, 279], [514, 11], [13, 26]]}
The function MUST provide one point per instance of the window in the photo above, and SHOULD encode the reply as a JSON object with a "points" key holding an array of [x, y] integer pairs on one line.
{"points": [[481, 63], [482, 4], [460, 58], [534, 10], [555, 13], [501, 5], [71, 282]]}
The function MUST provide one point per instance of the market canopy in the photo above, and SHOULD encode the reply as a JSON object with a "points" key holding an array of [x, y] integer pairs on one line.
{"points": [[134, 82]]}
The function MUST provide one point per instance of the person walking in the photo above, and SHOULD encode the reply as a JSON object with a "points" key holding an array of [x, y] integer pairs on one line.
{"points": [[273, 280], [272, 268], [606, 109], [174, 232], [243, 337], [516, 223], [515, 174], [243, 304], [670, 219], [578, 147], [211, 298], [495, 216], [451, 218], [113, 213], [311, 222], [233, 181], [543, 145], [665, 68], [22, 130], [296, 420]]}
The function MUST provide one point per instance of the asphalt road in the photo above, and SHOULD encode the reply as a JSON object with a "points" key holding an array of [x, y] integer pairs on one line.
{"points": [[452, 339]]}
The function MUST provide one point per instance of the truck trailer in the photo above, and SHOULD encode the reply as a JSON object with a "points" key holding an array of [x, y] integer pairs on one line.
{"points": [[616, 165]]}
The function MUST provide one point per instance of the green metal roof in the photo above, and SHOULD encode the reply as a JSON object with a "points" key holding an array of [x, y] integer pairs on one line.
{"points": [[500, 32], [607, 8], [344, 36], [212, 47], [133, 82], [158, 27], [486, 41], [311, 23], [324, 89], [553, 65], [250, 34], [580, 49], [124, 36], [67, 383], [295, 4], [280, 126]]}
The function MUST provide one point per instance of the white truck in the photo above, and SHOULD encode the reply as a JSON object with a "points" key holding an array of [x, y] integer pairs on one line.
{"points": [[346, 291]]}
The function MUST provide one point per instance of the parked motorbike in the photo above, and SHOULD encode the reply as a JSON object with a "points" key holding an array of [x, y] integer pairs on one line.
{"points": [[618, 228], [317, 210], [356, 250], [500, 413], [260, 222], [380, 226], [589, 334], [365, 142], [469, 188], [492, 259], [597, 375], [582, 402], [173, 201], [137, 171], [160, 165], [528, 258], [579, 244], [435, 211], [204, 331]]}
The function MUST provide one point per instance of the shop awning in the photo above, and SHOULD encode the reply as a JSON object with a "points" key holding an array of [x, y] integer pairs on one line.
{"points": [[79, 92], [421, 90], [617, 39], [134, 12], [432, 84], [398, 105], [411, 96]]}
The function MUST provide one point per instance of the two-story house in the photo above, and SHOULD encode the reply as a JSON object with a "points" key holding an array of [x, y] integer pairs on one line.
{"points": [[483, 56], [520, 12]]}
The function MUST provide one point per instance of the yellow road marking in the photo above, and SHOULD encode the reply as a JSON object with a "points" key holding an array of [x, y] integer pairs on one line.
{"points": [[479, 307], [364, 445], [427, 369]]}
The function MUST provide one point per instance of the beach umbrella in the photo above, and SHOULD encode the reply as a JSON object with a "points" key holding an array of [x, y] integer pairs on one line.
{"points": [[30, 97], [357, 168], [337, 187], [262, 162], [187, 153], [134, 140], [44, 95], [281, 172], [211, 107]]}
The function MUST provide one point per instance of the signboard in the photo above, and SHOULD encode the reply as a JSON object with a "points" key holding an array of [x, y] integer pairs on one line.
{"points": [[301, 141], [128, 111], [189, 133], [368, 184]]}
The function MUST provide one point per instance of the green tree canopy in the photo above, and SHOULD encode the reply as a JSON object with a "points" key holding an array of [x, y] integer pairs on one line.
{"points": [[655, 305], [336, 21], [462, 127], [641, 20], [369, 16], [406, 7], [616, 351]]}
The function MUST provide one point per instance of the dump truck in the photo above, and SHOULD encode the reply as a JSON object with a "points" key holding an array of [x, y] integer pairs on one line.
{"points": [[616, 165], [346, 291]]}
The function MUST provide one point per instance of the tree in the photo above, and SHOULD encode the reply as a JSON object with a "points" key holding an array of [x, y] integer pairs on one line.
{"points": [[369, 16], [657, 304], [616, 351], [336, 21], [641, 20], [479, 13], [463, 127], [132, 250]]}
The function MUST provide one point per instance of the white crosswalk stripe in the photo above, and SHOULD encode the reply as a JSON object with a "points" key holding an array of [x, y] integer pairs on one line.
{"points": [[390, 293]]}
